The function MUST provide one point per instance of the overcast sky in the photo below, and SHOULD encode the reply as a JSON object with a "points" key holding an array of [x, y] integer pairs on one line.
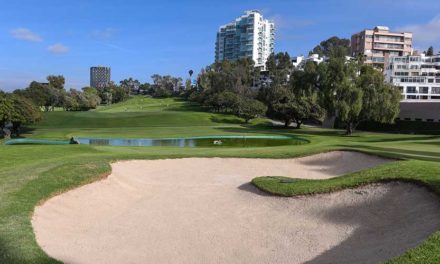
{"points": [[139, 38]]}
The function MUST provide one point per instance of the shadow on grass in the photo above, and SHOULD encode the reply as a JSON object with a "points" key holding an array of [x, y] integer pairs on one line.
{"points": [[385, 227], [408, 138], [188, 107], [6, 256], [224, 120], [249, 187], [258, 129], [414, 154]]}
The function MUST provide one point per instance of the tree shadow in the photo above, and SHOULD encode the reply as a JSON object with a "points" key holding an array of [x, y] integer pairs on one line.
{"points": [[186, 108], [257, 129], [423, 155], [386, 227], [408, 138], [224, 120]]}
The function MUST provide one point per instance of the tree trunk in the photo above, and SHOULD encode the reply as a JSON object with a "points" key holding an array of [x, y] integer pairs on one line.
{"points": [[287, 123], [349, 129], [298, 124], [16, 128]]}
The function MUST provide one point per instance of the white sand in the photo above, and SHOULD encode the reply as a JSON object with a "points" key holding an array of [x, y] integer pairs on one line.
{"points": [[203, 210]]}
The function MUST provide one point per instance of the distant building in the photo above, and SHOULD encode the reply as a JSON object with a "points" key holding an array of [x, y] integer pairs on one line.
{"points": [[249, 36], [99, 77], [417, 76], [299, 61], [377, 44], [426, 111]]}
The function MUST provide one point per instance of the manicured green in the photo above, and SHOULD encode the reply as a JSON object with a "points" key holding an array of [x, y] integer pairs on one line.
{"points": [[31, 174]]}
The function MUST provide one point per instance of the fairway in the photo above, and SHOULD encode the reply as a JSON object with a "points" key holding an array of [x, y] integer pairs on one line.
{"points": [[31, 175]]}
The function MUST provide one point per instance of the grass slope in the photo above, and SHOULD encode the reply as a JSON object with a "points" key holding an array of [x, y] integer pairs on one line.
{"points": [[31, 174]]}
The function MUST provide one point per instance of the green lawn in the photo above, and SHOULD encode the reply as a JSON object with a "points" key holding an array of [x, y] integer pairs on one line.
{"points": [[31, 174]]}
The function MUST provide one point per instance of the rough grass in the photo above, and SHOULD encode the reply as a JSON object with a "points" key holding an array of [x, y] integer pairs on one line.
{"points": [[31, 174]]}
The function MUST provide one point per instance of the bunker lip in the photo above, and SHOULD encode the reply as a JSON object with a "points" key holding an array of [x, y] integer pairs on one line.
{"points": [[203, 210]]}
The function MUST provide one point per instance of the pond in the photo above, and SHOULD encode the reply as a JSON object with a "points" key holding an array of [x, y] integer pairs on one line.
{"points": [[211, 141], [220, 141]]}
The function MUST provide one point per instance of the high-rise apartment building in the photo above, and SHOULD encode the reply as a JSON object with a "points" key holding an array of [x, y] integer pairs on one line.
{"points": [[99, 77], [249, 36], [417, 76], [377, 44]]}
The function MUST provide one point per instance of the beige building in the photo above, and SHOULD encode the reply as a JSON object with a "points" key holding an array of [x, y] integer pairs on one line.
{"points": [[377, 44]]}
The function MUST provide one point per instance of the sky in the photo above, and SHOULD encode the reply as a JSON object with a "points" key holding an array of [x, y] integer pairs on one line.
{"points": [[139, 38]]}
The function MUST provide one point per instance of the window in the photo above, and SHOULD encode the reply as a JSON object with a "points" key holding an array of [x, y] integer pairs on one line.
{"points": [[418, 119], [413, 79], [437, 80], [423, 90], [429, 120], [435, 90], [407, 119], [378, 59], [401, 73], [430, 80]]}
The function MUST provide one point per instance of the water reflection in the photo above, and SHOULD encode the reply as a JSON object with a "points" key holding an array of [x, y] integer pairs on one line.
{"points": [[196, 142]]}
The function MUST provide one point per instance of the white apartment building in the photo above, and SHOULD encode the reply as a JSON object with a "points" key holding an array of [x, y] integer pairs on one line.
{"points": [[418, 76], [299, 61], [249, 36]]}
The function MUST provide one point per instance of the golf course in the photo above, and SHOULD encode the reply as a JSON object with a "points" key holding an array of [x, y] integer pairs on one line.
{"points": [[67, 189]]}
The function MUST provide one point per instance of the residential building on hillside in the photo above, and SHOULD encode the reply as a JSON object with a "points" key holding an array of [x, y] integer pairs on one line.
{"points": [[100, 76], [417, 76], [377, 44], [299, 61], [249, 36]]}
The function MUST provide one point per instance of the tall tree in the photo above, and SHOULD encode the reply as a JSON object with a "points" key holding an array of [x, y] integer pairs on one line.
{"points": [[6, 110], [130, 85], [56, 81], [357, 93], [165, 86], [249, 109], [430, 51], [332, 46], [25, 112], [16, 110]]}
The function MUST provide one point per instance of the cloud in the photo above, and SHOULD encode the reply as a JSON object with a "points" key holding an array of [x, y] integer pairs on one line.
{"points": [[26, 34], [103, 34], [58, 48], [425, 35]]}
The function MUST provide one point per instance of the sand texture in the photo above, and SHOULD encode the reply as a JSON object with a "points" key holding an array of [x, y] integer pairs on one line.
{"points": [[204, 210]]}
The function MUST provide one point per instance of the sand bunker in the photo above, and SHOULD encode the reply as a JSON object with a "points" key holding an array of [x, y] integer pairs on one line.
{"points": [[203, 210]]}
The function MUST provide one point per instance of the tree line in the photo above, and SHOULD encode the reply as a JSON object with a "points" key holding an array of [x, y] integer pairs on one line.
{"points": [[348, 90]]}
